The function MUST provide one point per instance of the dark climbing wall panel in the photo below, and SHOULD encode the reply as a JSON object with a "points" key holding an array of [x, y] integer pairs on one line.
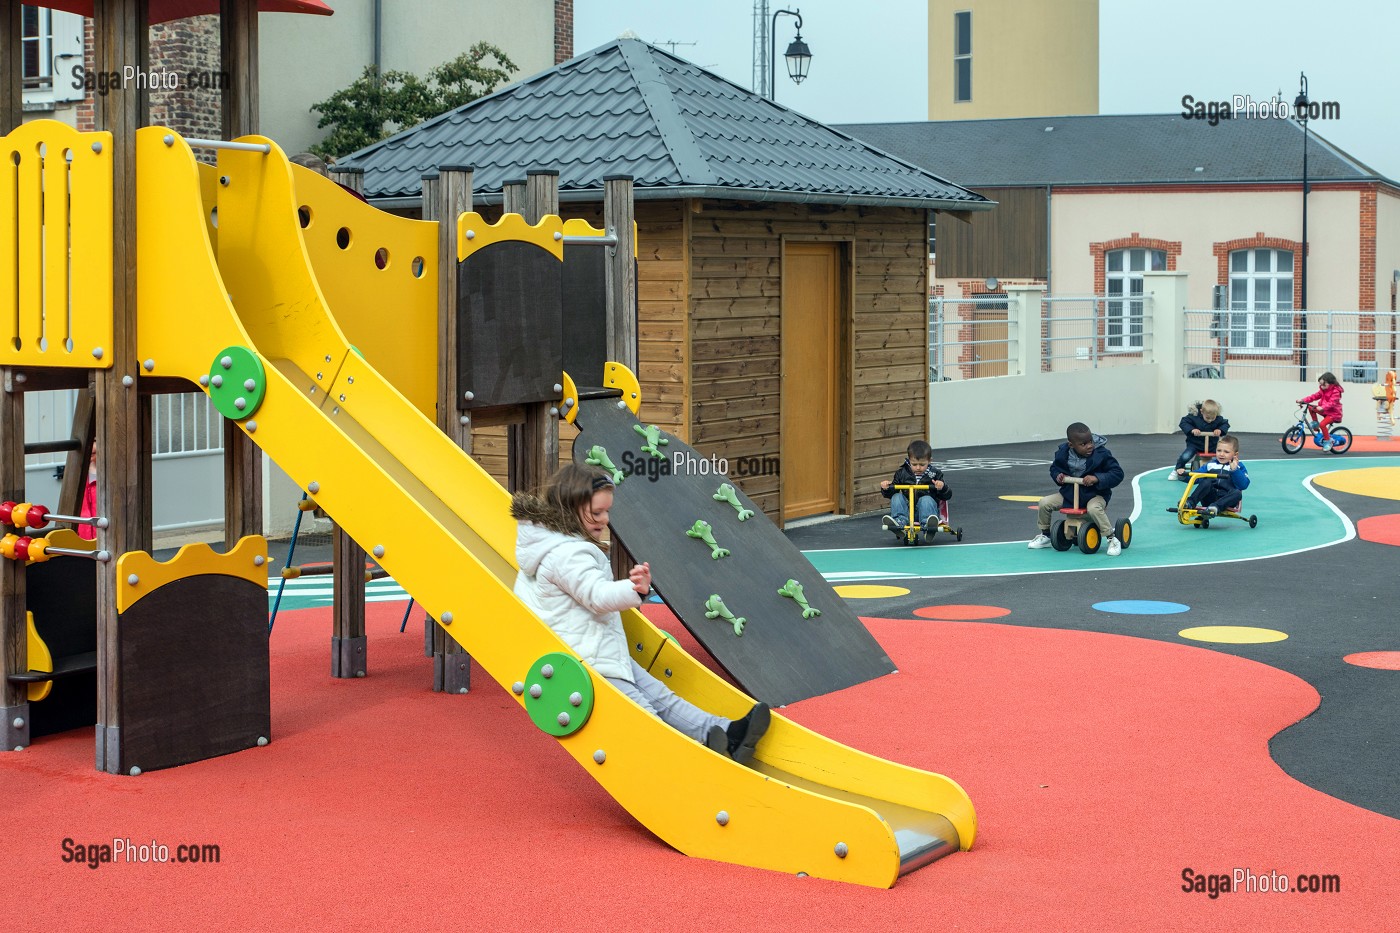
{"points": [[585, 313], [780, 657], [510, 332], [194, 678]]}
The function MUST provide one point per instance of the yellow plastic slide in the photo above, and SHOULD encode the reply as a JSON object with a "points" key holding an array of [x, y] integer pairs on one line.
{"points": [[440, 525]]}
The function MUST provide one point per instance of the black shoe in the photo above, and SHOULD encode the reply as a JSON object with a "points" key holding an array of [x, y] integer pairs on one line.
{"points": [[930, 527], [890, 523], [717, 741], [743, 734]]}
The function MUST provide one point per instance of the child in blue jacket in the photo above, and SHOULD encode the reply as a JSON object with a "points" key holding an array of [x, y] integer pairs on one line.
{"points": [[1086, 455], [1223, 491]]}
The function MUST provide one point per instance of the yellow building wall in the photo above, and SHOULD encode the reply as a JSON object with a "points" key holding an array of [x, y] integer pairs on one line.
{"points": [[1028, 59]]}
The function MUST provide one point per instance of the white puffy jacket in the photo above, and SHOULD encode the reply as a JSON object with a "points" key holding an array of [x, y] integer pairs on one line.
{"points": [[568, 583]]}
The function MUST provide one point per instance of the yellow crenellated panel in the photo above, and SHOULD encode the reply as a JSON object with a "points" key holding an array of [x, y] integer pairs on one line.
{"points": [[56, 229], [178, 271], [139, 574], [617, 376], [473, 233], [380, 274]]}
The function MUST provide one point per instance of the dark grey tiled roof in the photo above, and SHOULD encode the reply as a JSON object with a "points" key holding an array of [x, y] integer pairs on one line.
{"points": [[628, 108], [1108, 149]]}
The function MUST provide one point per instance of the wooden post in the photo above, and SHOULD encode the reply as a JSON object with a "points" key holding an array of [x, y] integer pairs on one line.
{"points": [[12, 69], [446, 196], [352, 178], [75, 465], [14, 643], [119, 28], [534, 445], [243, 473], [621, 300], [348, 641]]}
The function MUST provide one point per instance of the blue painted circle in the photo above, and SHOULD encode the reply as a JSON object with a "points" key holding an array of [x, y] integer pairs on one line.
{"points": [[1141, 607]]}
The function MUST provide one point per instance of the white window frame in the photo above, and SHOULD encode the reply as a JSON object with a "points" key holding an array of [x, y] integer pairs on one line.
{"points": [[960, 57], [1123, 307], [60, 49], [1261, 301]]}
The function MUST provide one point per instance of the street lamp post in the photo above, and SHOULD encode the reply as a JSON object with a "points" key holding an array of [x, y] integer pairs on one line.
{"points": [[799, 57], [1300, 108]]}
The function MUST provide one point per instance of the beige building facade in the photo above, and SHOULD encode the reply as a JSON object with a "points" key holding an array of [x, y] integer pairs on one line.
{"points": [[990, 59]]}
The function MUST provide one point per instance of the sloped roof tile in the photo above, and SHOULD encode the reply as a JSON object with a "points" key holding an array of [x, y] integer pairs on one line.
{"points": [[628, 108]]}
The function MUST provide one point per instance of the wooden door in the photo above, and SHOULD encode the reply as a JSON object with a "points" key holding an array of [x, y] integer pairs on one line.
{"points": [[989, 347], [811, 378]]}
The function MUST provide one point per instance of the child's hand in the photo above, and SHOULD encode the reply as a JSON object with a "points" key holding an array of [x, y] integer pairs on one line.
{"points": [[1216, 432], [1091, 480], [884, 484], [640, 576], [1196, 432], [938, 484], [1060, 479]]}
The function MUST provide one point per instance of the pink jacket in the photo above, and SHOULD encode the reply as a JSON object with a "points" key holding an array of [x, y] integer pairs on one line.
{"points": [[89, 509], [1329, 400]]}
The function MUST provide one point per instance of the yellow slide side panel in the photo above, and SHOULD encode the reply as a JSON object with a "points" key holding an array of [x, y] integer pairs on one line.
{"points": [[473, 233], [209, 198], [265, 265], [718, 810], [139, 574], [380, 274], [56, 244], [800, 751], [176, 269]]}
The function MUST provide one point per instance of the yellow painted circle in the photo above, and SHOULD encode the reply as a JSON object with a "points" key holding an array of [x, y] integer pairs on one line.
{"points": [[1232, 634], [869, 591], [1019, 498], [1376, 482]]}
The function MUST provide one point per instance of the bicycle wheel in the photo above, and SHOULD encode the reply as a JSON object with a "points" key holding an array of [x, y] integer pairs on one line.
{"points": [[1293, 440], [1341, 439]]}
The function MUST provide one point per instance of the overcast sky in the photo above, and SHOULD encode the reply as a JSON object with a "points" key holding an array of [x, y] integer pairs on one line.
{"points": [[870, 59]]}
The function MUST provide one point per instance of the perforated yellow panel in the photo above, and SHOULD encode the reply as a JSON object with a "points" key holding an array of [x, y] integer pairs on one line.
{"points": [[56, 240]]}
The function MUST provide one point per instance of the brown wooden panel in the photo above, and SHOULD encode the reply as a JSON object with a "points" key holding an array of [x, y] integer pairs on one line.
{"points": [[1007, 241], [194, 663]]}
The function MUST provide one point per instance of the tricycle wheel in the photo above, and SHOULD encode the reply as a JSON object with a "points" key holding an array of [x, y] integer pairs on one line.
{"points": [[1058, 536], [1124, 530], [1089, 538], [1253, 520], [1293, 440]]}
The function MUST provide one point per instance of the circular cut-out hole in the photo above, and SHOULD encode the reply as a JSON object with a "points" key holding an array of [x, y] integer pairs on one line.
{"points": [[342, 238], [14, 157], [304, 216], [43, 344], [43, 149], [214, 217], [418, 265], [16, 342], [381, 258], [68, 155], [68, 344]]}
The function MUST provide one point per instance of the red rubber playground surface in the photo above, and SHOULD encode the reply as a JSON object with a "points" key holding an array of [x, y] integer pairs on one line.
{"points": [[1102, 767]]}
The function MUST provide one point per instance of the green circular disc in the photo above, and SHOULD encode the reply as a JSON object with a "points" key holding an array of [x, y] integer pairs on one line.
{"points": [[237, 382], [555, 710]]}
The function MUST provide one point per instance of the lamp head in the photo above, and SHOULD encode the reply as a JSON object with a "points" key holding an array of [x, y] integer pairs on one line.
{"points": [[799, 59]]}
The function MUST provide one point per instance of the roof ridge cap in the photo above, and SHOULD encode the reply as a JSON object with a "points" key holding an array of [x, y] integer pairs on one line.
{"points": [[676, 135]]}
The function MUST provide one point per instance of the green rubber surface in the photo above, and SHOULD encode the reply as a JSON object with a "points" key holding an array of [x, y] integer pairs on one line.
{"points": [[1279, 494]]}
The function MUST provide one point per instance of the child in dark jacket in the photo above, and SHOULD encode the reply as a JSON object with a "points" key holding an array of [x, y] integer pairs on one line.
{"points": [[1086, 455], [916, 470], [1223, 491], [1204, 421]]}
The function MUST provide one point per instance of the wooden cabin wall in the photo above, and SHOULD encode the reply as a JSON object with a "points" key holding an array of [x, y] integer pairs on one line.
{"points": [[736, 303]]}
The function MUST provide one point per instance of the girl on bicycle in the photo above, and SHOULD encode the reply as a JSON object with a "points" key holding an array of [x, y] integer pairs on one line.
{"points": [[1329, 405]]}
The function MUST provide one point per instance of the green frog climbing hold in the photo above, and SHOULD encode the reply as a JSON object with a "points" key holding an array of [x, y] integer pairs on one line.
{"points": [[598, 456], [726, 493], [793, 590], [654, 440], [716, 609], [701, 529]]}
